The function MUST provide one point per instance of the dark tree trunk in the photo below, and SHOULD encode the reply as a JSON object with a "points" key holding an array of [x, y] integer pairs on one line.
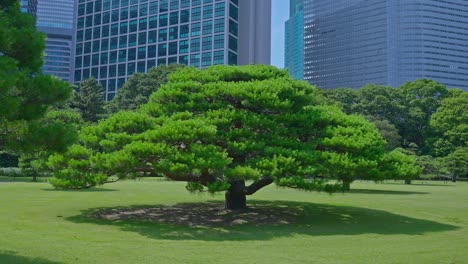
{"points": [[407, 181], [454, 177], [346, 186], [235, 196]]}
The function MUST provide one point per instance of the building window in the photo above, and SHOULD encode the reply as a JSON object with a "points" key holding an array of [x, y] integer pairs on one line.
{"points": [[123, 41], [112, 71], [104, 58], [105, 31], [218, 57], [207, 11], [162, 50], [172, 60], [152, 36], [184, 16], [163, 20], [232, 43], [184, 31], [133, 25], [196, 29], [133, 11], [232, 58], [124, 13], [141, 53], [183, 46], [195, 60], [104, 44], [195, 45], [196, 13], [162, 35], [173, 33], [153, 22], [141, 66], [132, 40], [233, 27], [114, 43], [152, 51], [207, 27], [206, 59], [219, 41], [131, 68], [207, 43], [173, 48], [103, 72], [121, 70], [122, 55], [233, 12], [113, 57], [143, 10], [124, 28], [174, 18], [219, 9]]}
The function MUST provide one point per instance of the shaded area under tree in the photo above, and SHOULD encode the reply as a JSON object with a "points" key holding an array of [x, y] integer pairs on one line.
{"points": [[211, 222]]}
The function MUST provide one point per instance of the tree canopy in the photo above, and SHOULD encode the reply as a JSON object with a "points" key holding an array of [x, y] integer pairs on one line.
{"points": [[450, 123], [25, 93], [138, 88], [220, 127], [88, 100]]}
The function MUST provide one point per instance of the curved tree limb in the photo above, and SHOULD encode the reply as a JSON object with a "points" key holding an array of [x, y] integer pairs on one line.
{"points": [[257, 185]]}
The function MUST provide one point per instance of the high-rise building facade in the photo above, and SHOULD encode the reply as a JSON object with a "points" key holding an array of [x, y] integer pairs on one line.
{"points": [[117, 38], [294, 36], [349, 43], [55, 19]]}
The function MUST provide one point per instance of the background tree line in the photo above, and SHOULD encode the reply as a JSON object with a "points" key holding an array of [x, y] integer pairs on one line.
{"points": [[423, 118]]}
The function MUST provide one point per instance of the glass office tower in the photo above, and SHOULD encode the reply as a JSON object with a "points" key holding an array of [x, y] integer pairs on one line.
{"points": [[294, 44], [349, 43], [117, 38], [55, 19]]}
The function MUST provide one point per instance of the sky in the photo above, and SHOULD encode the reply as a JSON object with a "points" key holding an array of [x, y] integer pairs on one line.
{"points": [[279, 15]]}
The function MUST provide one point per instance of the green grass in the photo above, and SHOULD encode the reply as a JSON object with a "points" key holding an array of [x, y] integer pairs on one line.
{"points": [[375, 223]]}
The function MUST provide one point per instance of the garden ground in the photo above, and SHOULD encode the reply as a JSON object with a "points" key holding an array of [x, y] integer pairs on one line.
{"points": [[374, 223]]}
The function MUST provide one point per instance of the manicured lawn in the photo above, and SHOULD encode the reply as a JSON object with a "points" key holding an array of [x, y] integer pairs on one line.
{"points": [[375, 223]]}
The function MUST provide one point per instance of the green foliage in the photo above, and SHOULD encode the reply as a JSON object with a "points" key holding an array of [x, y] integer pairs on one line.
{"points": [[457, 163], [346, 98], [351, 147], [74, 169], [53, 133], [225, 124], [138, 88], [399, 164], [421, 99], [7, 160], [450, 123], [388, 131], [25, 94], [89, 100]]}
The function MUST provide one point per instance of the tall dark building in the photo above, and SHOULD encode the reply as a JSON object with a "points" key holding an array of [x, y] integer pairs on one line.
{"points": [[349, 43], [56, 19], [294, 40]]}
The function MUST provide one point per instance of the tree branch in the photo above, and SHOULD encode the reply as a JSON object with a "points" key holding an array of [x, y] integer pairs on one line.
{"points": [[254, 187]]}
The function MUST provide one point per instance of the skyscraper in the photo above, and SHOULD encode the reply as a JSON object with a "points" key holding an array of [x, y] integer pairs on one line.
{"points": [[55, 18], [294, 40], [349, 43], [116, 38]]}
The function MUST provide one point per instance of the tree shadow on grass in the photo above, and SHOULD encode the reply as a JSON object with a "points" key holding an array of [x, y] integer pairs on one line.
{"points": [[10, 257], [262, 221], [447, 184], [374, 191], [90, 190]]}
